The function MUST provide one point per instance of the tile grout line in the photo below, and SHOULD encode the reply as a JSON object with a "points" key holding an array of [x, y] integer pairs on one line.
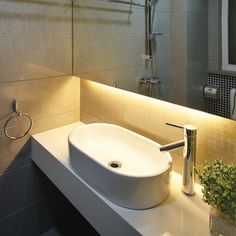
{"points": [[21, 209], [14, 169], [46, 117]]}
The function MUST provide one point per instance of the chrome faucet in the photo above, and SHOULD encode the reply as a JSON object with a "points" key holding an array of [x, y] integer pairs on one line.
{"points": [[189, 154]]}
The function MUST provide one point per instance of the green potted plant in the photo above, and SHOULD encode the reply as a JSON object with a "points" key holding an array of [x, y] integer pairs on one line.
{"points": [[219, 191]]}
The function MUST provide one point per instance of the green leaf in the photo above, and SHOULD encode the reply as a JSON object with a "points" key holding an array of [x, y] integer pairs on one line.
{"points": [[219, 186]]}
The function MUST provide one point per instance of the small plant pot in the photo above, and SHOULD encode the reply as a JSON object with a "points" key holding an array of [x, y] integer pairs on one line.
{"points": [[219, 225]]}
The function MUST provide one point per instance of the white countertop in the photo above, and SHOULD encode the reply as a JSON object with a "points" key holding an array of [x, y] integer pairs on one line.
{"points": [[179, 215]]}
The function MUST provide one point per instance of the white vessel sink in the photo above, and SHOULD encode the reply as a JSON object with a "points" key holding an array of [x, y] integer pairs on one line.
{"points": [[123, 166]]}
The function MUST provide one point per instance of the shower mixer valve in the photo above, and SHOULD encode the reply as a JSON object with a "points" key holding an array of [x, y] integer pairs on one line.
{"points": [[153, 35], [150, 80]]}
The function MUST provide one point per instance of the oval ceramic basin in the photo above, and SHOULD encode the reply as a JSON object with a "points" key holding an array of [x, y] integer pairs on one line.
{"points": [[123, 166]]}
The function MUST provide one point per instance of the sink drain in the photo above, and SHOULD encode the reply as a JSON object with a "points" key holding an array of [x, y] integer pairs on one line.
{"points": [[114, 164]]}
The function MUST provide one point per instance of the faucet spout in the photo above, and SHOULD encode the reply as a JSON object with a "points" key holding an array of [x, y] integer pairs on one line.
{"points": [[189, 155], [172, 146]]}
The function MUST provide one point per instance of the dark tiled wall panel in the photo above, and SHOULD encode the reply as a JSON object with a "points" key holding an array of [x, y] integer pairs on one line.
{"points": [[225, 83], [40, 215], [20, 188]]}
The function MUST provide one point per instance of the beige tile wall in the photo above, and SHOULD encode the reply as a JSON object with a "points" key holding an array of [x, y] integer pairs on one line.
{"points": [[147, 116], [35, 69], [35, 39], [109, 42], [51, 102]]}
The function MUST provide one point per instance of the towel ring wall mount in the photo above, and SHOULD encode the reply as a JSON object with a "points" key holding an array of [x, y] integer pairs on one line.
{"points": [[15, 115]]}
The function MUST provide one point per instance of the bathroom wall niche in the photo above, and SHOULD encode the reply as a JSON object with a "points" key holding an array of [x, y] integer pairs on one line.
{"points": [[110, 47]]}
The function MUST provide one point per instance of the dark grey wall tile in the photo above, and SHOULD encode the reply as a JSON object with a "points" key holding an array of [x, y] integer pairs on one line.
{"points": [[31, 221], [22, 187], [67, 220], [51, 232], [38, 218], [76, 226], [14, 154]]}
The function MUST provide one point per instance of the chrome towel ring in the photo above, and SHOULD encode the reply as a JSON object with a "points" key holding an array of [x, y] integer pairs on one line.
{"points": [[15, 115]]}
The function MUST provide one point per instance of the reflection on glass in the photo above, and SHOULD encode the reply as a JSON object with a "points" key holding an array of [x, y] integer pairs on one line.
{"points": [[110, 43], [232, 32]]}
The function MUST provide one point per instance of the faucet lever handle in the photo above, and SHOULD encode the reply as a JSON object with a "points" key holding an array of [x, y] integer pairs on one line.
{"points": [[175, 125]]}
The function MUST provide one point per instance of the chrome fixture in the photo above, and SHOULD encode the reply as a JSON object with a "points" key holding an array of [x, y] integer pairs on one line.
{"points": [[150, 37], [151, 82], [148, 30], [149, 15], [17, 114], [189, 154], [132, 3], [149, 34], [149, 57]]}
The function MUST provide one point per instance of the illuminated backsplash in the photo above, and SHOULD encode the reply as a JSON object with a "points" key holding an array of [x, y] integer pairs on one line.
{"points": [[147, 116]]}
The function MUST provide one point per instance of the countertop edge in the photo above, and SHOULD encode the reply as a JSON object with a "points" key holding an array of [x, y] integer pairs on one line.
{"points": [[93, 208], [97, 210]]}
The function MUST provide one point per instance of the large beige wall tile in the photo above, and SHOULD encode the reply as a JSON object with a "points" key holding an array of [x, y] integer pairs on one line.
{"points": [[13, 151], [98, 19], [216, 135], [27, 58], [96, 54], [109, 39], [88, 119], [199, 6], [40, 98], [179, 24], [111, 36], [179, 50], [43, 58], [109, 44], [53, 20], [197, 24], [179, 6], [35, 19], [50, 102], [35, 44], [35, 39], [55, 121], [125, 78], [35, 49], [10, 51]]}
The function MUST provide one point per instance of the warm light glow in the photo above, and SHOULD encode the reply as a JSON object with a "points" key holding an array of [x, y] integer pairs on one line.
{"points": [[147, 116], [163, 105]]}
